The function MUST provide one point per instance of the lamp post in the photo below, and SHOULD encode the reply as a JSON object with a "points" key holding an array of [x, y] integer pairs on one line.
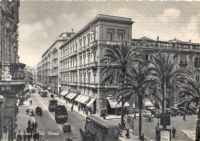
{"points": [[1, 102]]}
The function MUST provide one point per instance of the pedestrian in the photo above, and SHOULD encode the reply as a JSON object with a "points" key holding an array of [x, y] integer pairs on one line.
{"points": [[29, 123], [127, 133], [36, 126], [142, 137], [184, 116], [19, 136], [34, 136], [174, 132], [24, 135], [31, 102], [135, 116], [33, 126], [27, 111], [72, 107], [32, 113]]}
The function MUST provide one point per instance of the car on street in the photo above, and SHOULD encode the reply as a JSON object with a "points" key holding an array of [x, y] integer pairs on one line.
{"points": [[61, 114], [52, 105], [146, 113], [171, 112], [43, 93], [176, 111]]}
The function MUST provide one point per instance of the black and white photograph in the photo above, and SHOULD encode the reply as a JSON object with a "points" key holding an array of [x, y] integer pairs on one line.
{"points": [[99, 70]]}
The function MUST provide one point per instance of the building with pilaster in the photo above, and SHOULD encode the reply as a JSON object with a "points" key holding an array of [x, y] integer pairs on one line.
{"points": [[48, 68], [12, 71], [186, 55], [81, 61]]}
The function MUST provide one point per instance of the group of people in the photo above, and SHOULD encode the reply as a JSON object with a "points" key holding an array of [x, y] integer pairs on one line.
{"points": [[30, 132]]}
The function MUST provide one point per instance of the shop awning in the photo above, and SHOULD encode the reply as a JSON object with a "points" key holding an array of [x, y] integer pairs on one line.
{"points": [[148, 103], [78, 98], [64, 93], [72, 96], [114, 104], [85, 99], [90, 102]]}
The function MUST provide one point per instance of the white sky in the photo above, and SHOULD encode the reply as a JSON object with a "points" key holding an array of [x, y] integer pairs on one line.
{"points": [[41, 22]]}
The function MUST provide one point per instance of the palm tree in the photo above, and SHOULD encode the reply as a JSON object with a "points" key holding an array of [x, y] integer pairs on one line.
{"points": [[118, 60], [139, 83], [190, 91], [163, 69]]}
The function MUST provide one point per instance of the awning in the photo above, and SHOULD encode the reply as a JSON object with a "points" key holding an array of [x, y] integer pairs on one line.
{"points": [[71, 96], [85, 99], [78, 98], [114, 104], [148, 103], [64, 93], [90, 102]]}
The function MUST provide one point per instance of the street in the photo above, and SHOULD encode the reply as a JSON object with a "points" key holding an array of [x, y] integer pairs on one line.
{"points": [[52, 131], [47, 126]]}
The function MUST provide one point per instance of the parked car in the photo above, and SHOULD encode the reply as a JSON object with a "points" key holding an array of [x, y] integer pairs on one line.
{"points": [[171, 112], [146, 113], [153, 110]]}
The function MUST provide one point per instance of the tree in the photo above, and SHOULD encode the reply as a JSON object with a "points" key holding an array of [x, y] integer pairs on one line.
{"points": [[190, 92], [163, 69], [118, 60], [139, 82]]}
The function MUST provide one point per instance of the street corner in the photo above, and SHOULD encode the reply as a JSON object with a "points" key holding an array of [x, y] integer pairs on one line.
{"points": [[188, 133]]}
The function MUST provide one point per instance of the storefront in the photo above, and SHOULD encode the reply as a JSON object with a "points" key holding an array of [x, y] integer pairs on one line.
{"points": [[70, 97], [64, 93], [114, 107]]}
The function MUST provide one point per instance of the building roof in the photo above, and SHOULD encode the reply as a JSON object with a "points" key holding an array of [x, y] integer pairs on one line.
{"points": [[102, 18], [146, 38]]}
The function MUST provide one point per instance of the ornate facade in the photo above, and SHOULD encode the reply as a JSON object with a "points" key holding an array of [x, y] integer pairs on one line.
{"points": [[12, 75]]}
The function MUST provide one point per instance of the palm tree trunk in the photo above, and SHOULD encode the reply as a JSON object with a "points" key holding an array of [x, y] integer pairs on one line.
{"points": [[122, 111], [140, 116], [164, 87]]}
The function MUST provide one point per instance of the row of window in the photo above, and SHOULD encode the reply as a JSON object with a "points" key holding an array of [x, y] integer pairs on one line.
{"points": [[72, 77], [111, 35], [75, 45]]}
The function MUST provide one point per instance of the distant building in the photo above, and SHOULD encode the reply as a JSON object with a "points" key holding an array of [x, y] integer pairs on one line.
{"points": [[48, 68], [12, 71], [186, 55]]}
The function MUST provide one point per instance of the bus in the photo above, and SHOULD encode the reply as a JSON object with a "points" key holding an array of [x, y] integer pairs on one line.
{"points": [[61, 115], [98, 129]]}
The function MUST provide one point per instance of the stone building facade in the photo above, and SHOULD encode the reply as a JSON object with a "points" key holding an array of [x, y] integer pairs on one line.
{"points": [[81, 60], [12, 71], [80, 65], [186, 55], [48, 68]]}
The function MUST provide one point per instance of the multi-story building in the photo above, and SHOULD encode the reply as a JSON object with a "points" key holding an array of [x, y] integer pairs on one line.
{"points": [[81, 60], [186, 55], [12, 74], [48, 68], [79, 63]]}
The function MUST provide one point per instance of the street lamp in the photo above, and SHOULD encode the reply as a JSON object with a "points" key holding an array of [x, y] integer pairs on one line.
{"points": [[1, 102]]}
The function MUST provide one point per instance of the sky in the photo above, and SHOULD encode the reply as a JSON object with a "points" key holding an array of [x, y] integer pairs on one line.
{"points": [[41, 22]]}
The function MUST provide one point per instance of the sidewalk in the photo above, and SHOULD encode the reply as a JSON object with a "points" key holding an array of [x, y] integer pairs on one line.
{"points": [[190, 134], [109, 117]]}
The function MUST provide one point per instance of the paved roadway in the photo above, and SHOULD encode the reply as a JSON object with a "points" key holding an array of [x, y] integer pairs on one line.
{"points": [[47, 126]]}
